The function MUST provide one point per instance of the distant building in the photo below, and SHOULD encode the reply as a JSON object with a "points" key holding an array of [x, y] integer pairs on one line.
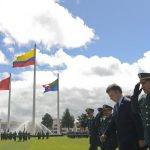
{"points": [[13, 125], [64, 130], [55, 126]]}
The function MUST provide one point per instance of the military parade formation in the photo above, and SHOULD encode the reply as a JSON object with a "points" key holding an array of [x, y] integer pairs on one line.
{"points": [[22, 136]]}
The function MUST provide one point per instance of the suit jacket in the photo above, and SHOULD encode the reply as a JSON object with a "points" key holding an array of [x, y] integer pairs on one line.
{"points": [[128, 126]]}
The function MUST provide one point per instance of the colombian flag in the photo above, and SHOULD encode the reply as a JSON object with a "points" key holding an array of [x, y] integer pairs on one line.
{"points": [[26, 59], [51, 86], [4, 84]]}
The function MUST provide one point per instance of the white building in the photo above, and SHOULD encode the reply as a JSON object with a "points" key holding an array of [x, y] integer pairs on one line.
{"points": [[13, 125]]}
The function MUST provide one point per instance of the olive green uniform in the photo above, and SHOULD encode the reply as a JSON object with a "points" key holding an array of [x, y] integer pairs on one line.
{"points": [[144, 104]]}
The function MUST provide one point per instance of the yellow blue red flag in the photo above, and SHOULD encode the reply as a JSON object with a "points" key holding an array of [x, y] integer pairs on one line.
{"points": [[26, 59]]}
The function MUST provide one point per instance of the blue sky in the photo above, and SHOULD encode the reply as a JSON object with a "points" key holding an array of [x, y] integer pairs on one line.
{"points": [[122, 27], [91, 43]]}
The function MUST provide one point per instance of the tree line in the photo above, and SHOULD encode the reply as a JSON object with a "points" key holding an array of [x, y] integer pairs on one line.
{"points": [[67, 120]]}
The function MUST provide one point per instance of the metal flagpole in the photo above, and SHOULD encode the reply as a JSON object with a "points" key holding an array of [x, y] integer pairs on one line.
{"points": [[34, 92], [58, 120], [9, 100]]}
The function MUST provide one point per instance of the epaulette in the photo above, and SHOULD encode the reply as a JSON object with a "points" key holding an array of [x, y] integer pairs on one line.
{"points": [[127, 99], [143, 97]]}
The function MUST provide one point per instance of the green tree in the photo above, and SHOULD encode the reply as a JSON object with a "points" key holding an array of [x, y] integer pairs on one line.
{"points": [[67, 119], [82, 120], [47, 120]]}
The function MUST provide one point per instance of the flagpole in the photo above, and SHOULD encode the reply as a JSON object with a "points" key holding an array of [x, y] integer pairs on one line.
{"points": [[58, 120], [9, 100], [34, 93]]}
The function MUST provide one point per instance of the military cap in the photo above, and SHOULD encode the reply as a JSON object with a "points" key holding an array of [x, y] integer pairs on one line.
{"points": [[144, 76], [89, 110], [99, 109], [107, 107]]}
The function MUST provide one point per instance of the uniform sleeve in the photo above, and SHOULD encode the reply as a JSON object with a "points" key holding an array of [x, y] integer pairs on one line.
{"points": [[139, 126], [135, 105], [138, 123], [97, 123]]}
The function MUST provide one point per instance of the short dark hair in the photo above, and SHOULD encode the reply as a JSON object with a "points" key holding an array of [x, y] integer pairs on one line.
{"points": [[113, 87]]}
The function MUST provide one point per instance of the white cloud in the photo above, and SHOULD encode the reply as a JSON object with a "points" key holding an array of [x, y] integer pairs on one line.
{"points": [[54, 60], [144, 62], [11, 49], [42, 21], [8, 40], [3, 59]]}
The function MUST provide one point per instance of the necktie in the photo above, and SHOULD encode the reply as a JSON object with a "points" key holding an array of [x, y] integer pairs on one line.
{"points": [[117, 107]]}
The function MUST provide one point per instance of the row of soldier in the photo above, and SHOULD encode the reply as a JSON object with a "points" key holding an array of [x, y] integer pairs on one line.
{"points": [[97, 126], [77, 134], [127, 125], [42, 135], [22, 136]]}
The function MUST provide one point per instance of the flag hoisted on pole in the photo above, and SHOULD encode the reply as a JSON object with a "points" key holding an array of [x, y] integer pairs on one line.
{"points": [[5, 84], [54, 86], [34, 91], [27, 59], [58, 119], [51, 86], [9, 101]]}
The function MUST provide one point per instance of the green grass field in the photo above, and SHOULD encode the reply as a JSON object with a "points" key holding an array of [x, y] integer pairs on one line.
{"points": [[53, 143]]}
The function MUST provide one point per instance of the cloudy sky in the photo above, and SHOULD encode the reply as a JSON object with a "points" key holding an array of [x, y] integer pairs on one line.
{"points": [[91, 43]]}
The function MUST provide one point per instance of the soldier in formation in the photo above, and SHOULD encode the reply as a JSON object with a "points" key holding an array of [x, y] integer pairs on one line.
{"points": [[43, 135], [15, 136], [98, 122], [47, 135], [39, 135], [93, 133]]}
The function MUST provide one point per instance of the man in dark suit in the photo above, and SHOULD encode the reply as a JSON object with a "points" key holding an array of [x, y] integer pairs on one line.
{"points": [[128, 125]]}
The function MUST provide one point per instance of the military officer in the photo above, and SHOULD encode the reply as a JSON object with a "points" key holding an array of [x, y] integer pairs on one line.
{"points": [[98, 116], [97, 122], [93, 134], [14, 136], [111, 142], [143, 104], [47, 135]]}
